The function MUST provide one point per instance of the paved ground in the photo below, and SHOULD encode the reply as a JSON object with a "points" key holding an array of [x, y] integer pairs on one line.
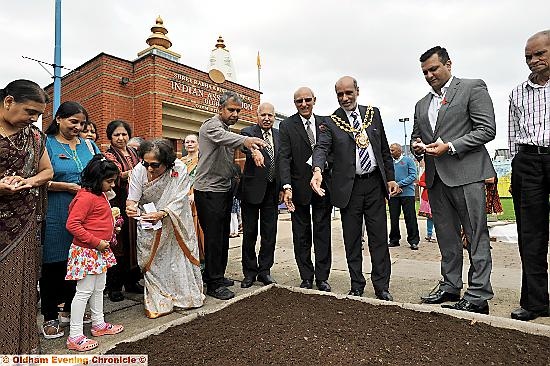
{"points": [[413, 273]]}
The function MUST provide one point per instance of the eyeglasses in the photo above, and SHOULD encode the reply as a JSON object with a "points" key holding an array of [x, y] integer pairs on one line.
{"points": [[299, 101], [152, 165]]}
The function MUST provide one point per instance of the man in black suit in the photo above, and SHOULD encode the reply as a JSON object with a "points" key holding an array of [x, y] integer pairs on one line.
{"points": [[299, 134], [259, 198], [362, 178]]}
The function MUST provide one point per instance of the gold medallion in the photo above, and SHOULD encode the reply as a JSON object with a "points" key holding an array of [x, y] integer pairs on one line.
{"points": [[362, 140]]}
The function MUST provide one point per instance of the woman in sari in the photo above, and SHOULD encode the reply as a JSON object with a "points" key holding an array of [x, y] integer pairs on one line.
{"points": [[168, 255], [191, 160], [24, 169], [126, 272]]}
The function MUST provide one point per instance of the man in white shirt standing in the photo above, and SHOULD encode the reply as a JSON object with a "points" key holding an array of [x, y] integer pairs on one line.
{"points": [[529, 141]]}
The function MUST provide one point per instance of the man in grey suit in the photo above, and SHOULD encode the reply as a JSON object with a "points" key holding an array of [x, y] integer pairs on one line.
{"points": [[452, 123]]}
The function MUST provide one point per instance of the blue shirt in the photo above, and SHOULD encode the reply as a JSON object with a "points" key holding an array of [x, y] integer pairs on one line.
{"points": [[405, 175]]}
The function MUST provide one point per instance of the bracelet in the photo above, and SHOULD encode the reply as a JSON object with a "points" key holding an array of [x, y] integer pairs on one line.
{"points": [[49, 184]]}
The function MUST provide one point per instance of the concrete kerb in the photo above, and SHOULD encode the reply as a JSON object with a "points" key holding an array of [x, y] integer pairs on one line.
{"points": [[526, 327]]}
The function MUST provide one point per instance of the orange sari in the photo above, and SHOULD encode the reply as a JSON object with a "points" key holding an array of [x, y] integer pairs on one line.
{"points": [[191, 164]]}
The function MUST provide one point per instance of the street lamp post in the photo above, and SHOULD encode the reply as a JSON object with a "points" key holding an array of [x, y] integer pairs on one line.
{"points": [[404, 121]]}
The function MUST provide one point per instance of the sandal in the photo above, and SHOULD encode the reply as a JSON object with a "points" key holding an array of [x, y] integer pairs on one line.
{"points": [[51, 329], [107, 329], [81, 344]]}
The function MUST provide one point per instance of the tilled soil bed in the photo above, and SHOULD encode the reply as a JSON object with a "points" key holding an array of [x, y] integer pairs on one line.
{"points": [[281, 327]]}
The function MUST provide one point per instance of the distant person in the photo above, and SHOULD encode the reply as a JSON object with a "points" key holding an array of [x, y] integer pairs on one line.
{"points": [[191, 160], [92, 224], [309, 212], [25, 169], [362, 179], [89, 131], [213, 195], [452, 140], [405, 176], [260, 186], [135, 142], [425, 209], [167, 255], [126, 273], [529, 141]]}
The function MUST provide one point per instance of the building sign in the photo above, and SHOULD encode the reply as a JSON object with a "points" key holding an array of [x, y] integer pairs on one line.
{"points": [[207, 95]]}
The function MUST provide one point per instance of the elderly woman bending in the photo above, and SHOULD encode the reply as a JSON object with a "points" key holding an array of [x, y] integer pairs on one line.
{"points": [[167, 249]]}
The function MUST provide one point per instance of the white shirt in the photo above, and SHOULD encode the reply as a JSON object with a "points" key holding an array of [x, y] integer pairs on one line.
{"points": [[312, 125], [529, 115], [358, 169], [436, 102]]}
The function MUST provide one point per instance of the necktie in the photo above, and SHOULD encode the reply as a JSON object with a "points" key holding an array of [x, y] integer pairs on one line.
{"points": [[364, 157], [310, 133], [270, 152]]}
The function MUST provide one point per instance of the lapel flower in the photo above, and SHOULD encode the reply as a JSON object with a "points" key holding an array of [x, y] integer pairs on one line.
{"points": [[444, 101], [322, 127], [63, 156], [174, 174]]}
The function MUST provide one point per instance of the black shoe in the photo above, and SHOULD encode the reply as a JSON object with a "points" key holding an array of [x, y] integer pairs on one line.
{"points": [[439, 297], [227, 282], [356, 292], [526, 315], [465, 305], [390, 244], [221, 293], [307, 284], [384, 295], [135, 288], [247, 282], [414, 246], [323, 286], [115, 296], [266, 279]]}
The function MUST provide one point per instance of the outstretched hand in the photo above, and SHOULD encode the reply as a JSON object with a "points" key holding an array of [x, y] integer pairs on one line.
{"points": [[315, 183]]}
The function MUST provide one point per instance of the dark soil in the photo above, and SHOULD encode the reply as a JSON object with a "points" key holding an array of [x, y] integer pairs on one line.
{"points": [[280, 327]]}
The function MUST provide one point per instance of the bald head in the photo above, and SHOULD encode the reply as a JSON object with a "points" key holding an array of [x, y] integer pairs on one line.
{"points": [[396, 150], [266, 116], [545, 34], [347, 92], [304, 100], [537, 56]]}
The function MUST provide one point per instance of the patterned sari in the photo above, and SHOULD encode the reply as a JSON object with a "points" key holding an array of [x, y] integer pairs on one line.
{"points": [[21, 215], [168, 257]]}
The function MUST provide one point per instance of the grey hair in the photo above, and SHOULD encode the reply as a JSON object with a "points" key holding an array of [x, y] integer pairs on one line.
{"points": [[138, 140], [229, 95]]}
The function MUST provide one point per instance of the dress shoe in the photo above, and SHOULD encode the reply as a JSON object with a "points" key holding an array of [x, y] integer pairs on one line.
{"points": [[465, 305], [227, 282], [266, 279], [414, 246], [135, 288], [391, 245], [439, 297], [526, 315], [247, 282], [384, 295], [115, 296], [221, 293], [356, 292], [323, 286], [307, 284]]}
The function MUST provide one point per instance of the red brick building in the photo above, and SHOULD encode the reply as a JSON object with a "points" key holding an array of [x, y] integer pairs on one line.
{"points": [[156, 94]]}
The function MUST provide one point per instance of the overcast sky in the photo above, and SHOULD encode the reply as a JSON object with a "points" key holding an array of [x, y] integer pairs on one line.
{"points": [[301, 43]]}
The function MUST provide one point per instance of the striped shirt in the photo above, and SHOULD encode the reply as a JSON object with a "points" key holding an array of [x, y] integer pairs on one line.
{"points": [[529, 115]]}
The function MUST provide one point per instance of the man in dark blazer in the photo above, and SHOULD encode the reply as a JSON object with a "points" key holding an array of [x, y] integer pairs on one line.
{"points": [[362, 178], [452, 123], [299, 134], [259, 193]]}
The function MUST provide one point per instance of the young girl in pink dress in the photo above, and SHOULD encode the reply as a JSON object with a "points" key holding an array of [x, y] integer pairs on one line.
{"points": [[91, 222]]}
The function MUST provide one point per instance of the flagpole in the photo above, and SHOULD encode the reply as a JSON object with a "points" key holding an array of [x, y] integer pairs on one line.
{"points": [[259, 68]]}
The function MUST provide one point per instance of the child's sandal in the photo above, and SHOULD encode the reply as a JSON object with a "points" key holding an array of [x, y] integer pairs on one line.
{"points": [[81, 344], [108, 329]]}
